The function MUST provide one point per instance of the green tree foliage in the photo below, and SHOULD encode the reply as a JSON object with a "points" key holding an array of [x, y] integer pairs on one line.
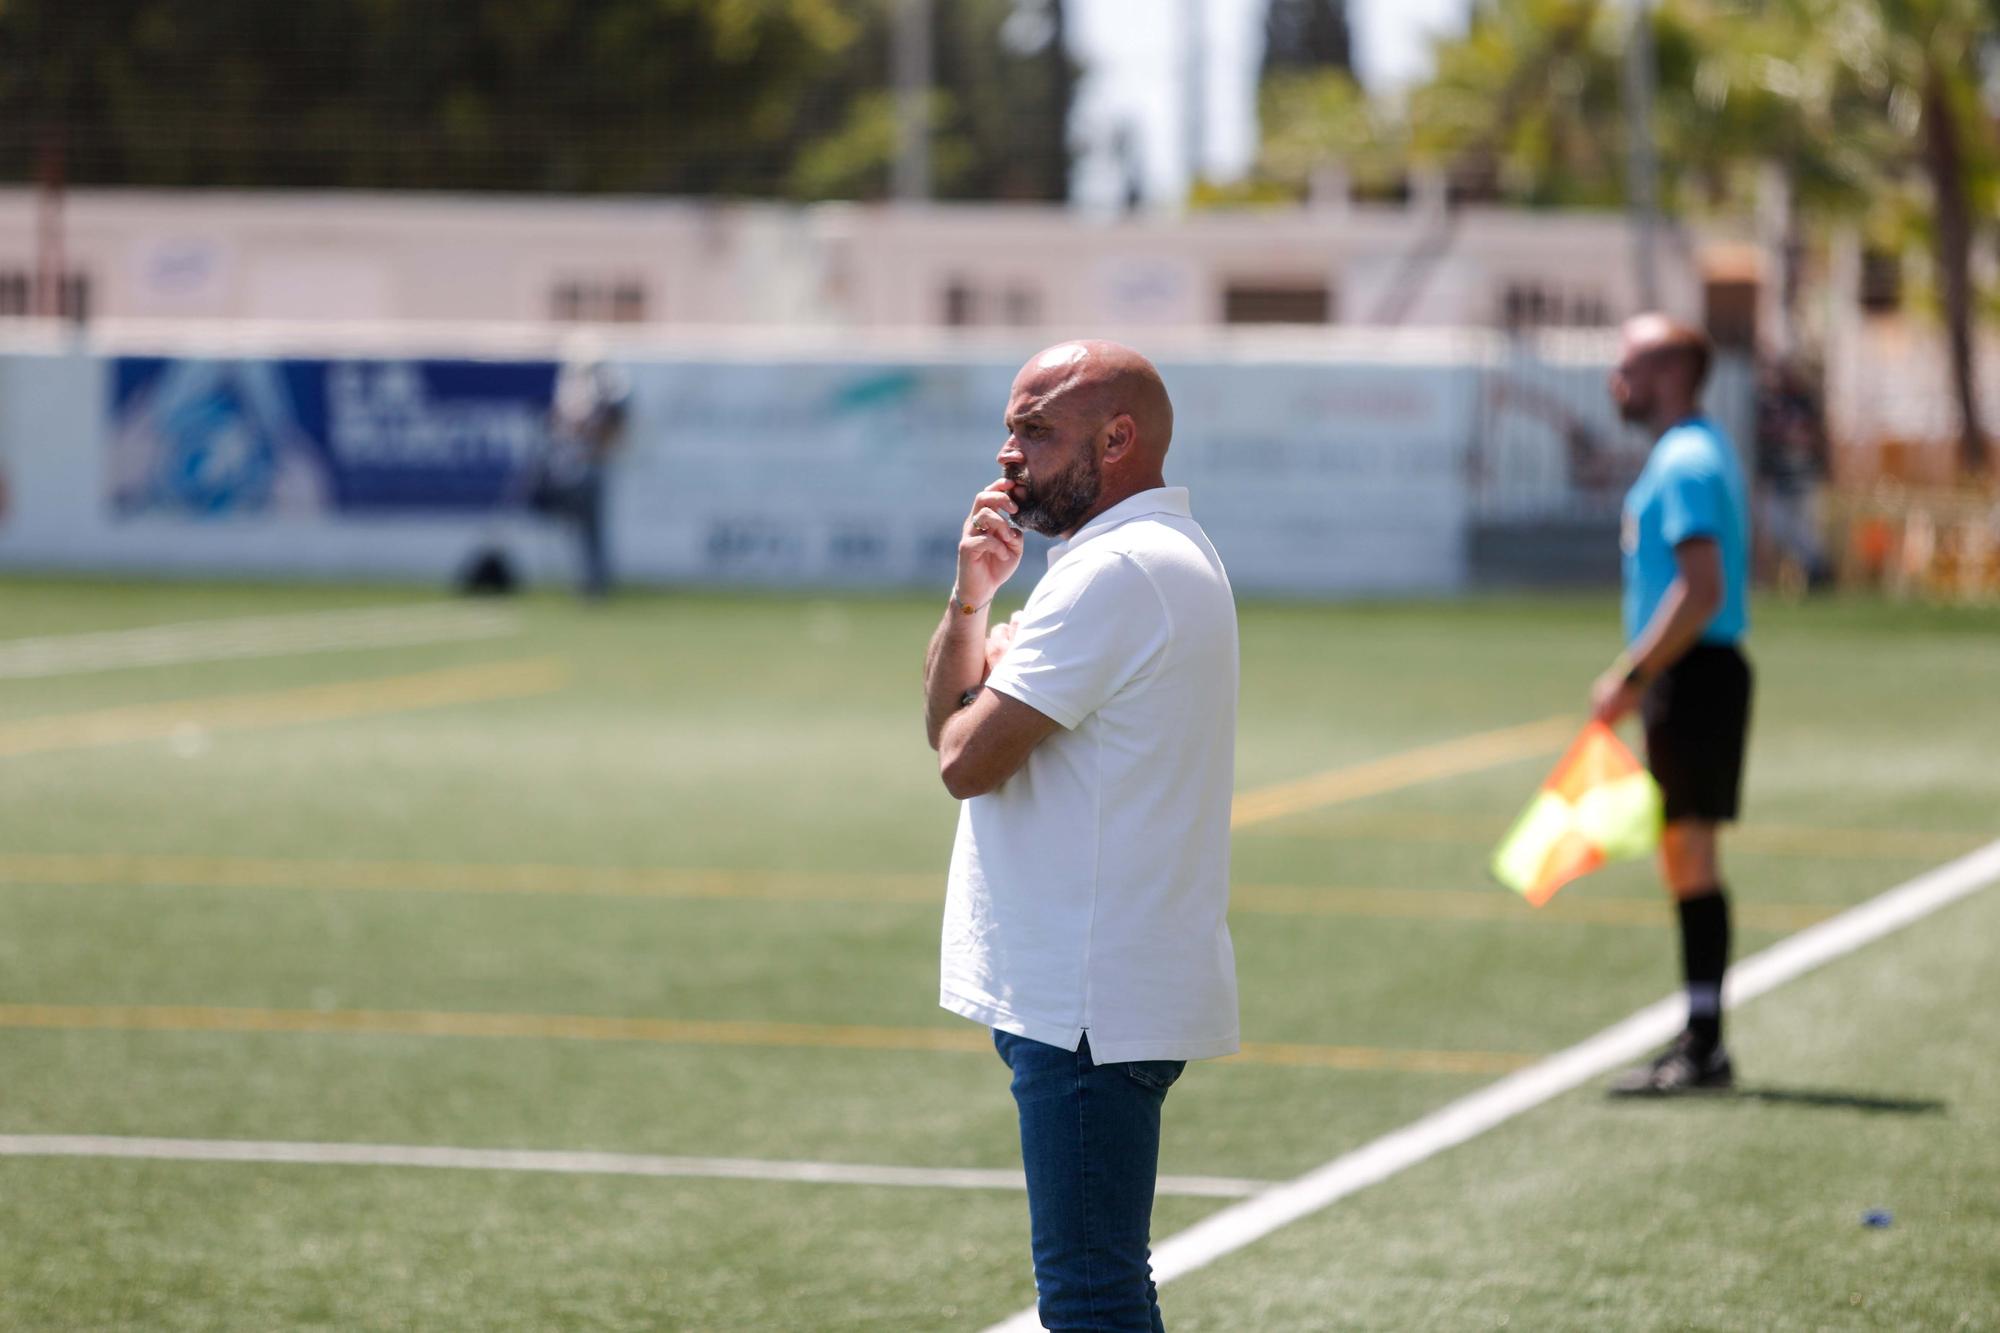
{"points": [[1877, 111], [1311, 119], [670, 96], [1526, 104], [999, 113], [1742, 85]]}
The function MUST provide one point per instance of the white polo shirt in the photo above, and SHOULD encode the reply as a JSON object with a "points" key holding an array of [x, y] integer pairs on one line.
{"points": [[1089, 892]]}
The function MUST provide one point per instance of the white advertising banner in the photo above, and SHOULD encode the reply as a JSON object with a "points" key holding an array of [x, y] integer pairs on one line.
{"points": [[1308, 477]]}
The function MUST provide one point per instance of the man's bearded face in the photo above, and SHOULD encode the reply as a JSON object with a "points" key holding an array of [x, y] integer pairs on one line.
{"points": [[1053, 503]]}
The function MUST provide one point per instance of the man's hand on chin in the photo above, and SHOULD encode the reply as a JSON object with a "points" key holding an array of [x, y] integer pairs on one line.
{"points": [[989, 548]]}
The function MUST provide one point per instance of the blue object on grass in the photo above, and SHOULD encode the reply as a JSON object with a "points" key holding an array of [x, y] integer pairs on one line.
{"points": [[1876, 1217]]}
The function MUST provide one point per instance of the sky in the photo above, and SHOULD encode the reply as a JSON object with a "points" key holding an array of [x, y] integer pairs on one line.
{"points": [[1134, 54]]}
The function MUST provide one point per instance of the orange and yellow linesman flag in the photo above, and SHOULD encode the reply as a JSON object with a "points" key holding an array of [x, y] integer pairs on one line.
{"points": [[1599, 805]]}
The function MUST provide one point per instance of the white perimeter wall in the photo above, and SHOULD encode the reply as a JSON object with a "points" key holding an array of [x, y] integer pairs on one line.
{"points": [[1316, 469]]}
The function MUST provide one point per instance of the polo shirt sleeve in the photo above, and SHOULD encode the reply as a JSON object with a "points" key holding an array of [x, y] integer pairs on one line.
{"points": [[1690, 503], [1094, 625]]}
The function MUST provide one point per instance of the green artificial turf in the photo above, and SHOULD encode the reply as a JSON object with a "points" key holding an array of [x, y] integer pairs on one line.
{"points": [[775, 743]]}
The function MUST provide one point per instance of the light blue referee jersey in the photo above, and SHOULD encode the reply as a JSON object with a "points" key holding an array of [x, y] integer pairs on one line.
{"points": [[1692, 486]]}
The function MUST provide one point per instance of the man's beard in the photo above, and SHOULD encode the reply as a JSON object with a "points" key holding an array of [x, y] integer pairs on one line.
{"points": [[1055, 505]]}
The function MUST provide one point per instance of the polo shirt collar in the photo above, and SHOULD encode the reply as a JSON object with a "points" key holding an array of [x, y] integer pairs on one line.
{"points": [[1169, 500]]}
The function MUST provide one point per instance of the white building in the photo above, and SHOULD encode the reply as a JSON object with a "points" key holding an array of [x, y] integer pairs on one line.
{"points": [[130, 254]]}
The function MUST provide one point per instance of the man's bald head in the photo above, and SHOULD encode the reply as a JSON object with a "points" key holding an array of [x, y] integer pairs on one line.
{"points": [[1088, 423], [1104, 379], [1662, 366]]}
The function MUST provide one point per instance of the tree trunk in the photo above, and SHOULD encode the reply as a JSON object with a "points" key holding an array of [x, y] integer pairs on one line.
{"points": [[1953, 229]]}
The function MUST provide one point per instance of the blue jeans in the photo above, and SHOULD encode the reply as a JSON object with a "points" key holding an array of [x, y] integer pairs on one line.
{"points": [[1090, 1140]]}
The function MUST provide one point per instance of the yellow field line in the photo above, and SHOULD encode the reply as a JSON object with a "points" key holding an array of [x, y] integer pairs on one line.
{"points": [[1404, 826], [1796, 840], [1467, 754], [671, 1031], [280, 708], [114, 870], [123, 871]]}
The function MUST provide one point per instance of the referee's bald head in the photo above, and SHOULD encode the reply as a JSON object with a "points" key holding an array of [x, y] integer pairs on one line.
{"points": [[1661, 337], [1662, 365]]}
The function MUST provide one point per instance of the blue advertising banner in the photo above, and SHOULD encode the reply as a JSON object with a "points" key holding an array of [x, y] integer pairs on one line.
{"points": [[215, 439]]}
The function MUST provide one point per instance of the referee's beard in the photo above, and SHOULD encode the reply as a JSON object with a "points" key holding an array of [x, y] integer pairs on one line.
{"points": [[1055, 505]]}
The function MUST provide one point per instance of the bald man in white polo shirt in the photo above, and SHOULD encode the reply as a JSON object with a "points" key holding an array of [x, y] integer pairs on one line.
{"points": [[1092, 741]]}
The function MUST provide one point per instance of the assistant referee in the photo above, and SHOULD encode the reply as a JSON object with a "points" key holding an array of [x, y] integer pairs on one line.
{"points": [[1686, 544]]}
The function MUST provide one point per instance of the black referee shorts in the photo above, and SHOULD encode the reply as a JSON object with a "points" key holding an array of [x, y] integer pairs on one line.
{"points": [[1697, 719]]}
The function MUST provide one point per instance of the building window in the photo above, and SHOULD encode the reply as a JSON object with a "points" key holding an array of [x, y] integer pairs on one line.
{"points": [[960, 305], [1024, 307], [598, 301], [628, 303], [964, 305], [1590, 312], [73, 297], [1277, 303], [1881, 282], [1535, 305], [17, 295]]}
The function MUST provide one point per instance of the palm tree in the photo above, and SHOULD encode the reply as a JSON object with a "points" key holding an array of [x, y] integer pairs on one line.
{"points": [[1933, 49], [1526, 104], [1915, 63]]}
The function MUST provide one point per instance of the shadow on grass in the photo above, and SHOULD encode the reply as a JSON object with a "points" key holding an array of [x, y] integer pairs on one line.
{"points": [[1833, 1099], [1821, 1099]]}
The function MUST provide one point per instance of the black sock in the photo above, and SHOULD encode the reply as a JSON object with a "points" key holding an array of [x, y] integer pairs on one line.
{"points": [[1704, 956]]}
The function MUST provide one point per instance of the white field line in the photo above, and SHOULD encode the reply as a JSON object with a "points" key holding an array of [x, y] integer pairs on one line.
{"points": [[1240, 1224], [566, 1163], [251, 636]]}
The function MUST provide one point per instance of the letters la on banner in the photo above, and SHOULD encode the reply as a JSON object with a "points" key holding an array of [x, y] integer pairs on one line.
{"points": [[221, 438]]}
